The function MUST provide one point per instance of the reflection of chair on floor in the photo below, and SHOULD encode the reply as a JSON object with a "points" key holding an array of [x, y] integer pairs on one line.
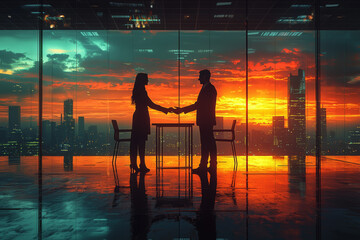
{"points": [[232, 142], [117, 140]]}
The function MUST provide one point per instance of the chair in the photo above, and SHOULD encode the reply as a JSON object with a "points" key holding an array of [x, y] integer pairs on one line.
{"points": [[232, 141], [117, 140]]}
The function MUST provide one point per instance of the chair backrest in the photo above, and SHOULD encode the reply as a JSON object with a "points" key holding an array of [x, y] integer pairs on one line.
{"points": [[233, 125], [115, 125], [233, 130], [116, 130]]}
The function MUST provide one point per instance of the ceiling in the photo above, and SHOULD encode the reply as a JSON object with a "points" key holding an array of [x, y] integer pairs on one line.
{"points": [[179, 14]]}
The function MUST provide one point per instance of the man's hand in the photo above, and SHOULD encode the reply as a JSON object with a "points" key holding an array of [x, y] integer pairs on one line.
{"points": [[171, 109], [178, 110]]}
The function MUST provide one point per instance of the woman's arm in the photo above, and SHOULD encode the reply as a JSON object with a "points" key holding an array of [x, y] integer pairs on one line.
{"points": [[152, 105]]}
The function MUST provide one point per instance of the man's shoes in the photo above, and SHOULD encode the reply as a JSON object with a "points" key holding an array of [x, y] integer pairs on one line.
{"points": [[199, 170], [144, 169]]}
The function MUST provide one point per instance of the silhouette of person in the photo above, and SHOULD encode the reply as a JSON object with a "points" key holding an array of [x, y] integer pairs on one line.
{"points": [[141, 121], [140, 221], [206, 218], [205, 119]]}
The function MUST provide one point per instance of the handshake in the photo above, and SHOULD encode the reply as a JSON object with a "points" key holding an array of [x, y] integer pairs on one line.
{"points": [[175, 110]]}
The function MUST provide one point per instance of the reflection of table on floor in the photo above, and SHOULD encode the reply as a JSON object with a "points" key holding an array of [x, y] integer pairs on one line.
{"points": [[184, 188]]}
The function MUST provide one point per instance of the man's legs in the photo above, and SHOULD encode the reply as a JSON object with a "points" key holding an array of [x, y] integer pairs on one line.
{"points": [[212, 149], [204, 135]]}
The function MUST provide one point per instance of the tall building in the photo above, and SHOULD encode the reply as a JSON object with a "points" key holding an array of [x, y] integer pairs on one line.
{"points": [[279, 133], [81, 126], [69, 122], [14, 124], [81, 130], [14, 118], [296, 112], [68, 109], [354, 141], [46, 131], [93, 135], [323, 129]]}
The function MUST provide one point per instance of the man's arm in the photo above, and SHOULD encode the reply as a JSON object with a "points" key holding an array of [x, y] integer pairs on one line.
{"points": [[186, 109]]}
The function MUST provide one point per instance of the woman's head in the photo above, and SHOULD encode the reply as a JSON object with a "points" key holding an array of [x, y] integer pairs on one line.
{"points": [[141, 79], [139, 86]]}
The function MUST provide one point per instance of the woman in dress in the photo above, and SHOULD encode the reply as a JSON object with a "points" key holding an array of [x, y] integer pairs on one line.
{"points": [[141, 121]]}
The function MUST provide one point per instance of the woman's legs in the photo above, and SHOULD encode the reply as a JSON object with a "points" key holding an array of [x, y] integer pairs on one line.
{"points": [[142, 152], [133, 153], [142, 155]]}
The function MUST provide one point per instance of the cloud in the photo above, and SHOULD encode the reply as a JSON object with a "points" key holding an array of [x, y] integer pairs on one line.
{"points": [[58, 57], [7, 58]]}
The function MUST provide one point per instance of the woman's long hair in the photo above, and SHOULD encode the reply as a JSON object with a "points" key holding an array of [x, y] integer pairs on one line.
{"points": [[139, 86]]}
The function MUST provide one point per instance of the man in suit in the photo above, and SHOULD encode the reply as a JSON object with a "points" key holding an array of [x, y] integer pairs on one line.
{"points": [[205, 119]]}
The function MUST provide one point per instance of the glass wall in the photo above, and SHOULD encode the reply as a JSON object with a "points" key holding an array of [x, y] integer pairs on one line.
{"points": [[91, 56]]}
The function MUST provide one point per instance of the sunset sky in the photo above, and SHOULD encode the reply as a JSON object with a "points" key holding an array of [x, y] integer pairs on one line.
{"points": [[98, 73]]}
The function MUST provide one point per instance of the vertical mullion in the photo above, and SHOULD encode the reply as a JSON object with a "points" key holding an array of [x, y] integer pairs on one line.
{"points": [[40, 22], [247, 83], [318, 119]]}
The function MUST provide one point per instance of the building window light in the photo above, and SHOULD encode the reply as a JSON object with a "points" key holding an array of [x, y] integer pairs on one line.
{"points": [[224, 16], [223, 3], [331, 5], [301, 6], [121, 16]]}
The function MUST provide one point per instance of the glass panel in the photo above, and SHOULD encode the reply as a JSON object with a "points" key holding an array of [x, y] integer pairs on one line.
{"points": [[19, 89]]}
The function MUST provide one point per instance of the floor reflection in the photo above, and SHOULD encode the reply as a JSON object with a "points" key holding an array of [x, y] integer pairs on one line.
{"points": [[276, 199], [205, 216], [140, 219]]}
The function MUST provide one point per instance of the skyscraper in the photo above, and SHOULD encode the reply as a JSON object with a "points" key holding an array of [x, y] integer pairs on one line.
{"points": [[323, 129], [296, 112], [14, 124], [81, 126], [93, 135], [278, 130], [14, 118], [81, 130], [69, 122], [68, 109]]}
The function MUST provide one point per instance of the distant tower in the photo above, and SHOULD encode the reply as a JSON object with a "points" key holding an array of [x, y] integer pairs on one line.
{"points": [[68, 109], [92, 135], [296, 113], [323, 129], [14, 118], [278, 130], [81, 126], [14, 124], [69, 122], [81, 130]]}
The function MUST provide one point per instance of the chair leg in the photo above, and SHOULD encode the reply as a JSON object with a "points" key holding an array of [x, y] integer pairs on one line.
{"points": [[233, 182], [112, 162], [234, 155], [117, 175]]}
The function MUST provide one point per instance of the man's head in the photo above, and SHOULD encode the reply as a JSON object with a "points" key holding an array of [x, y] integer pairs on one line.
{"points": [[204, 76]]}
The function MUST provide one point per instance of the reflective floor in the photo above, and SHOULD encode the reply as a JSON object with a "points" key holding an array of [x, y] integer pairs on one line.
{"points": [[277, 199]]}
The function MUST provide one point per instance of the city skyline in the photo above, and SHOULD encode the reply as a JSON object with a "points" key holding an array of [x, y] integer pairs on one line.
{"points": [[68, 137], [99, 74]]}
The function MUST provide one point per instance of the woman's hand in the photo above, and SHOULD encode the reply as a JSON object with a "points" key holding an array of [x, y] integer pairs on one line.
{"points": [[167, 110]]}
